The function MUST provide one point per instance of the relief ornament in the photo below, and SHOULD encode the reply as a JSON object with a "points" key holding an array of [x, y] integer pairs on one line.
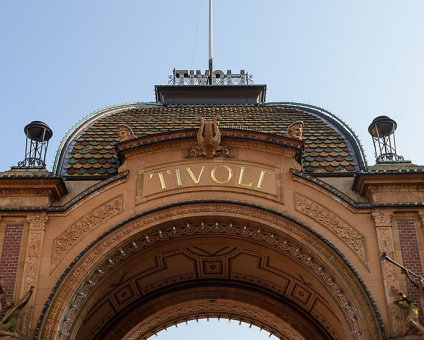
{"points": [[209, 140]]}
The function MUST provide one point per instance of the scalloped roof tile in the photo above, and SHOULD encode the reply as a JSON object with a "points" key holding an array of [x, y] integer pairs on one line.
{"points": [[328, 146]]}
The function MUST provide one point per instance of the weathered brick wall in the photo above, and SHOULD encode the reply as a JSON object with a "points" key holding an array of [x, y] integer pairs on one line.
{"points": [[10, 257], [410, 252]]}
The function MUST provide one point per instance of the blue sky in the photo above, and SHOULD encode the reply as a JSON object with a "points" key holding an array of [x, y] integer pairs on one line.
{"points": [[61, 60], [214, 329]]}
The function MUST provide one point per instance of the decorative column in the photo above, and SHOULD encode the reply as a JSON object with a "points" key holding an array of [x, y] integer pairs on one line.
{"points": [[37, 225], [383, 226], [421, 214]]}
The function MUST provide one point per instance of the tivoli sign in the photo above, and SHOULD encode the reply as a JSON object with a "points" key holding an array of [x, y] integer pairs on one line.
{"points": [[209, 174]]}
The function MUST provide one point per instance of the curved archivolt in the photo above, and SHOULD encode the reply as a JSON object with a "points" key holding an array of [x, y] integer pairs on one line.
{"points": [[228, 260], [242, 313]]}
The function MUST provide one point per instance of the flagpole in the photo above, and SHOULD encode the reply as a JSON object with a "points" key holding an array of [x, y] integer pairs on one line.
{"points": [[210, 43]]}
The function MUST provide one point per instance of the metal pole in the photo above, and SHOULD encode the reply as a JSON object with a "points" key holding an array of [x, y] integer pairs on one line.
{"points": [[384, 256], [210, 43]]}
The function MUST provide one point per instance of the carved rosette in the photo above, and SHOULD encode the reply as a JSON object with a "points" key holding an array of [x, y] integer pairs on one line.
{"points": [[37, 225], [383, 223], [335, 224]]}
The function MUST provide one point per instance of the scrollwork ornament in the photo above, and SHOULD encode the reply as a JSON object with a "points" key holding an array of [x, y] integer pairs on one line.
{"points": [[335, 224], [84, 225], [37, 225], [382, 218], [37, 222]]}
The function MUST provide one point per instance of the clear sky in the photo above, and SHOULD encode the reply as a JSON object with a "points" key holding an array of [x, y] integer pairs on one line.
{"points": [[214, 329], [61, 60]]}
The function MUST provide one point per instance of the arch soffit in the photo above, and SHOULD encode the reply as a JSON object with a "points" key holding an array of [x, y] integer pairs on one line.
{"points": [[338, 275]]}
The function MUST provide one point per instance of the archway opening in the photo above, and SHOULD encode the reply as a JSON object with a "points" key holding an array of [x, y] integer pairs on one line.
{"points": [[278, 276], [213, 328]]}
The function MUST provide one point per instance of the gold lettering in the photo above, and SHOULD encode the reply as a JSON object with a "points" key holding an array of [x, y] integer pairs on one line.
{"points": [[230, 174], [261, 179], [240, 180], [195, 180], [178, 175], [161, 177]]}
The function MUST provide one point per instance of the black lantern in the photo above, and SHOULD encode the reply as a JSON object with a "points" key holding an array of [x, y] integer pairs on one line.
{"points": [[382, 130], [38, 135]]}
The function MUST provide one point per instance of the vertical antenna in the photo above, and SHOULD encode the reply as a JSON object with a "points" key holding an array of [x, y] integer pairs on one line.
{"points": [[210, 42]]}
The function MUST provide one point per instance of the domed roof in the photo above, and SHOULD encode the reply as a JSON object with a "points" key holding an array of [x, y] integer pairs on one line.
{"points": [[88, 151]]}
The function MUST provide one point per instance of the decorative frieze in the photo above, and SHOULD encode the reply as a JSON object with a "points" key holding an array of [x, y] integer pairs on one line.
{"points": [[383, 223], [73, 234], [36, 228], [339, 227]]}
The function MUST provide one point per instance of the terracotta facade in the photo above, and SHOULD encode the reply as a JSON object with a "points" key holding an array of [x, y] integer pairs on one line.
{"points": [[248, 234]]}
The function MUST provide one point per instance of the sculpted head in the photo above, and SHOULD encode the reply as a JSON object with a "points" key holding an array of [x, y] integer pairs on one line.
{"points": [[125, 133], [295, 130]]}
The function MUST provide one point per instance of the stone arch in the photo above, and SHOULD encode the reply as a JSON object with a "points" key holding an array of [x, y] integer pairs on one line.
{"points": [[243, 247]]}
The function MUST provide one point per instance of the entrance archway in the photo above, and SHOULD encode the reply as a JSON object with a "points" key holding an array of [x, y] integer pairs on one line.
{"points": [[210, 259]]}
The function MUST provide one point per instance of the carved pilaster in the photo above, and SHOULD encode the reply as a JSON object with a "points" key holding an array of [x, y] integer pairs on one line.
{"points": [[382, 218], [420, 213], [383, 223], [37, 225]]}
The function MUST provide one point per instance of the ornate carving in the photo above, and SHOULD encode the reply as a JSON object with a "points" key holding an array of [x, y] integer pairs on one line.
{"points": [[391, 283], [209, 140], [421, 214], [384, 239], [37, 225], [232, 145], [83, 226], [183, 230], [37, 222], [366, 321], [1, 292], [414, 327], [125, 133], [382, 218], [295, 130], [8, 324], [215, 308], [335, 224]]}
